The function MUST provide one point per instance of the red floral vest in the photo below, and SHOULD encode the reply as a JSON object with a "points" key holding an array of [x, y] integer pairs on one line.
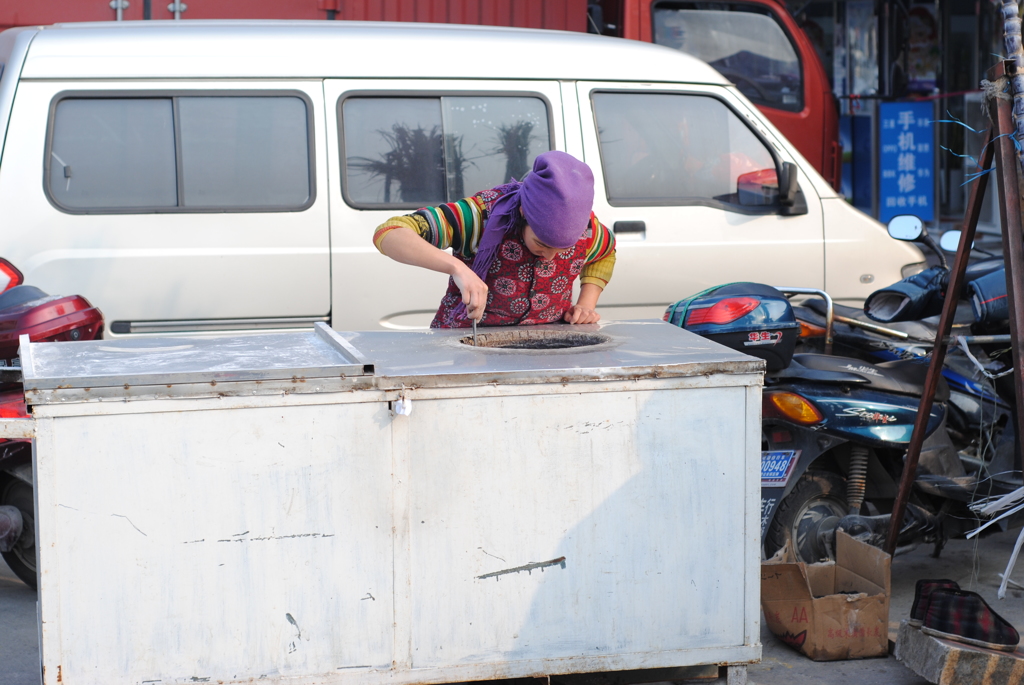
{"points": [[522, 289]]}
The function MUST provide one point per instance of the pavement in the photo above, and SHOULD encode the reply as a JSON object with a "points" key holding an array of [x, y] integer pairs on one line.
{"points": [[974, 564], [19, 639]]}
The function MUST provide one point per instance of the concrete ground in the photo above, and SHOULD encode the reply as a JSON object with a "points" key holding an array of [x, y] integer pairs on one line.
{"points": [[19, 639], [976, 565]]}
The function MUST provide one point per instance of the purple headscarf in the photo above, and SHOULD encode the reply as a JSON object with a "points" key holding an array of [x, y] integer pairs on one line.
{"points": [[556, 198]]}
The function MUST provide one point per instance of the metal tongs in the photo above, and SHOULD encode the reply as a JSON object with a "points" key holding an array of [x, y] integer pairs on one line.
{"points": [[474, 327]]}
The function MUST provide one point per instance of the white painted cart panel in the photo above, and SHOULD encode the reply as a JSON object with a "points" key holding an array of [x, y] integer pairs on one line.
{"points": [[190, 537], [555, 513], [616, 483]]}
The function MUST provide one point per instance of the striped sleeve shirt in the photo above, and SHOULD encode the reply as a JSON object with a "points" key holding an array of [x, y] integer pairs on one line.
{"points": [[459, 225]]}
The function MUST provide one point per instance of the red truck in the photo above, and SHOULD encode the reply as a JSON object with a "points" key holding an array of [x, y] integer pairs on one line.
{"points": [[755, 43]]}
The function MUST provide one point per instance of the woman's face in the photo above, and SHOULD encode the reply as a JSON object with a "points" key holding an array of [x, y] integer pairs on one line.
{"points": [[538, 248]]}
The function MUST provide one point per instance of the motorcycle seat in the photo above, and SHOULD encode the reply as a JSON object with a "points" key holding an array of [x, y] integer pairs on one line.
{"points": [[19, 295], [903, 377]]}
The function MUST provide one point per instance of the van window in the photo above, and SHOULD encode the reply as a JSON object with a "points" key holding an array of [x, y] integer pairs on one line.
{"points": [[674, 149], [180, 153], [113, 153], [411, 152], [743, 41], [244, 152]]}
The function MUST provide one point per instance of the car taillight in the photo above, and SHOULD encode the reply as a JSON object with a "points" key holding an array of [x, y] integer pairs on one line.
{"points": [[789, 406], [9, 275], [723, 311]]}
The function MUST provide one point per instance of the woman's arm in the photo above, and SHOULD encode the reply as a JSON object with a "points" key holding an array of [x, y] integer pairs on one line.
{"points": [[596, 273], [403, 245]]}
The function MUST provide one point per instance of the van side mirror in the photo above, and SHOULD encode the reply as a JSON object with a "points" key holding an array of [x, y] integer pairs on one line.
{"points": [[791, 198]]}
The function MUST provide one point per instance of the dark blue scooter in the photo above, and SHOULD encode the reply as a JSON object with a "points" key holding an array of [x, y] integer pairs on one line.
{"points": [[899, 321], [834, 431]]}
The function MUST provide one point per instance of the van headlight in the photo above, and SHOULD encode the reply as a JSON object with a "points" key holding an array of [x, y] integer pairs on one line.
{"points": [[909, 270]]}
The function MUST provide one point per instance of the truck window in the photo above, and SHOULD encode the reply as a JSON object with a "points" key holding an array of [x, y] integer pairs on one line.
{"points": [[744, 42], [411, 152], [180, 153], [676, 149]]}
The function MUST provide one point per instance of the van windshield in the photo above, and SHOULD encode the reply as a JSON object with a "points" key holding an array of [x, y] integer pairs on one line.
{"points": [[744, 42]]}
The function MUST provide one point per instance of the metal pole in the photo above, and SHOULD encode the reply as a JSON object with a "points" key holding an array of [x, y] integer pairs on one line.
{"points": [[119, 6], [956, 278]]}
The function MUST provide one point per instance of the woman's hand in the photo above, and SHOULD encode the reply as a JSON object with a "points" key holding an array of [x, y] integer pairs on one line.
{"points": [[580, 314], [474, 292], [403, 245], [585, 309]]}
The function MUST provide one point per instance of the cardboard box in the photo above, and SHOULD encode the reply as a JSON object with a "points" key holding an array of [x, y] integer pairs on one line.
{"points": [[831, 610]]}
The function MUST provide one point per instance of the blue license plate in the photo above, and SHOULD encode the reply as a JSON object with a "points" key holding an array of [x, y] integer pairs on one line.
{"points": [[777, 466]]}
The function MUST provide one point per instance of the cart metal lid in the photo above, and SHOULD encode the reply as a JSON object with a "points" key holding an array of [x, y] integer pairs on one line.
{"points": [[320, 353], [547, 353], [272, 363]]}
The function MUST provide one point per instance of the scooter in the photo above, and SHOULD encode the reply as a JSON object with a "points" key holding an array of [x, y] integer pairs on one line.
{"points": [[834, 431], [27, 310], [981, 395]]}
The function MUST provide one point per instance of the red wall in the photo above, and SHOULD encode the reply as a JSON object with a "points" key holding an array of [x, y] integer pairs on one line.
{"points": [[570, 15]]}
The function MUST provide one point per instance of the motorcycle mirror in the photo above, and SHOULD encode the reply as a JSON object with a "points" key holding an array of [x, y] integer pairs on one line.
{"points": [[950, 241], [907, 227]]}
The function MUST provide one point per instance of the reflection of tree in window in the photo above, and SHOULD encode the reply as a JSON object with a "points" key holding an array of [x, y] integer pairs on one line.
{"points": [[514, 142], [456, 163], [416, 163]]}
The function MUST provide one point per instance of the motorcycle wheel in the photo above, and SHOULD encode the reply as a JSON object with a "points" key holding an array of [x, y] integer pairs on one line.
{"points": [[21, 559], [813, 507]]}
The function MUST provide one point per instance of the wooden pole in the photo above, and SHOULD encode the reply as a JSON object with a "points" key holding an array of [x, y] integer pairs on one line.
{"points": [[1009, 177], [956, 278]]}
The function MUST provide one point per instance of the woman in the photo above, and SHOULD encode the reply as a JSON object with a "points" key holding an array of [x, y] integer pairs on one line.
{"points": [[517, 249]]}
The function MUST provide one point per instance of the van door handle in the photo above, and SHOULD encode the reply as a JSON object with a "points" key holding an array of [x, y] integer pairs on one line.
{"points": [[635, 227]]}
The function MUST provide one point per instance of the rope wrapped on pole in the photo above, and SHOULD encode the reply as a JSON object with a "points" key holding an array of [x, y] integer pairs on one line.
{"points": [[1015, 52]]}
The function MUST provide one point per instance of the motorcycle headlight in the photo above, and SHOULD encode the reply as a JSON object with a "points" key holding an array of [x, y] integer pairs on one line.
{"points": [[909, 270]]}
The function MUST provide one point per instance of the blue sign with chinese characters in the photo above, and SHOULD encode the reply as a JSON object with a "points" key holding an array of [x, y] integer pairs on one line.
{"points": [[907, 161]]}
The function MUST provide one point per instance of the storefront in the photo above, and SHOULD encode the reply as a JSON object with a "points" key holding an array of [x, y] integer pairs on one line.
{"points": [[880, 56]]}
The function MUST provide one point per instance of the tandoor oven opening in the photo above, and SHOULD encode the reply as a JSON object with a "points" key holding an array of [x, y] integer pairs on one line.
{"points": [[526, 339]]}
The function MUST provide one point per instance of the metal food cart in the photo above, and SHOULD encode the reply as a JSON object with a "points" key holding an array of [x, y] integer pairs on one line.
{"points": [[394, 507]]}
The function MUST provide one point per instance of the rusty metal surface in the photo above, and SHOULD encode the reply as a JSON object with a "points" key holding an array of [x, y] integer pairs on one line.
{"points": [[304, 362], [15, 429]]}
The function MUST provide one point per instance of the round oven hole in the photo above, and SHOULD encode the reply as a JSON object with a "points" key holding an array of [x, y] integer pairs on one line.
{"points": [[525, 339]]}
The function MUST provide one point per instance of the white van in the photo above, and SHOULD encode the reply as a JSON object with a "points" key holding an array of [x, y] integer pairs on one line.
{"points": [[213, 176]]}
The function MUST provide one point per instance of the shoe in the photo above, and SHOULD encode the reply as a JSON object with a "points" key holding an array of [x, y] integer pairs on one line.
{"points": [[966, 617], [922, 593]]}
